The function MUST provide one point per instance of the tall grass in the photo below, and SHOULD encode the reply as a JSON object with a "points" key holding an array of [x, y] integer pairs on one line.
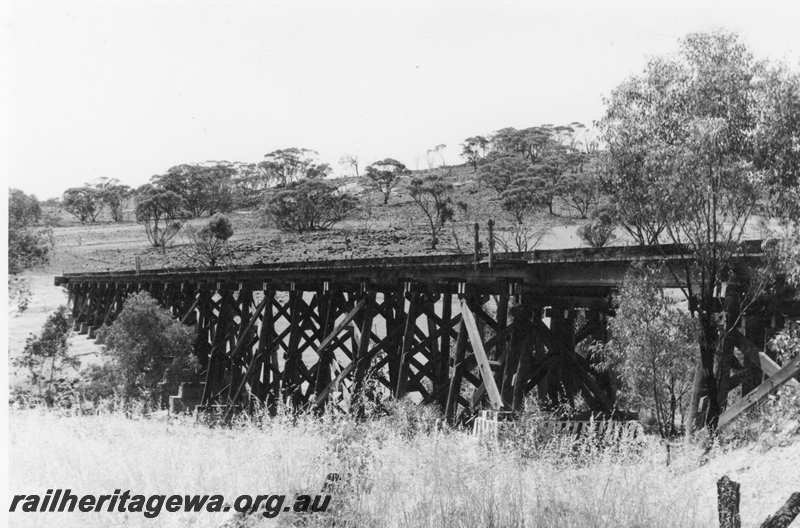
{"points": [[395, 472]]}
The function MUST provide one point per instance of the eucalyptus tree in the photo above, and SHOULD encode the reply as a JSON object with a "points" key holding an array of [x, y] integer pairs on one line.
{"points": [[686, 164], [433, 194], [288, 165], [384, 175], [474, 149]]}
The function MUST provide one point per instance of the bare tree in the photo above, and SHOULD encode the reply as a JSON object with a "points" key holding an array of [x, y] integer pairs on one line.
{"points": [[350, 161]]}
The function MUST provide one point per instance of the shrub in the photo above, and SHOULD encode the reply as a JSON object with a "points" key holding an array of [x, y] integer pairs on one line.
{"points": [[99, 382], [27, 247], [46, 360], [599, 231], [145, 344], [23, 209], [652, 349], [209, 245], [158, 210], [309, 205]]}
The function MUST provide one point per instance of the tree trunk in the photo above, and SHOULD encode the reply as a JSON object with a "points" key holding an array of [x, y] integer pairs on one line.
{"points": [[697, 392], [705, 383]]}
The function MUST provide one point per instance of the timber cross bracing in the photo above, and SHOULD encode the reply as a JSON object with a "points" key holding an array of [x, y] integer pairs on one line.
{"points": [[443, 329]]}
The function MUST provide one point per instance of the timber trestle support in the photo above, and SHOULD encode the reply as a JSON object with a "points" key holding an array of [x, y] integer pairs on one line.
{"points": [[445, 330]]}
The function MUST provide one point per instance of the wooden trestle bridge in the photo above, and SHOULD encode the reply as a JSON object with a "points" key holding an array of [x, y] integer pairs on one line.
{"points": [[462, 331]]}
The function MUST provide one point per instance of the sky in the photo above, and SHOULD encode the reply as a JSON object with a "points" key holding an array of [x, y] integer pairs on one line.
{"points": [[128, 89]]}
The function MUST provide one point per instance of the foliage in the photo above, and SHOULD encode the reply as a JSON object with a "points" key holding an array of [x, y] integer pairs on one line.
{"points": [[84, 203], [776, 139], [786, 345], [433, 195], [19, 292], [544, 156], [529, 143], [384, 175], [113, 195], [98, 382], [790, 259], [308, 205], [319, 170], [652, 350], [499, 170], [549, 172], [581, 185], [145, 343], [288, 165], [684, 162], [203, 189], [774, 421], [521, 199], [474, 149], [27, 246], [158, 210], [209, 244], [45, 359], [23, 209], [249, 183], [599, 231]]}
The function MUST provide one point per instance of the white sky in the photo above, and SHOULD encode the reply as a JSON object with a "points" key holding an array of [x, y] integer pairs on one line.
{"points": [[128, 89]]}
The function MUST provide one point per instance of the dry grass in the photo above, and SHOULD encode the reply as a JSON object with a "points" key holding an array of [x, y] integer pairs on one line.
{"points": [[399, 476]]}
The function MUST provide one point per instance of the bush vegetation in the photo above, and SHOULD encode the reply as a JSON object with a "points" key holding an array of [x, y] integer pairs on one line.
{"points": [[143, 344], [28, 245], [46, 364], [433, 194], [599, 231], [400, 470], [208, 246], [651, 351], [308, 205], [159, 210]]}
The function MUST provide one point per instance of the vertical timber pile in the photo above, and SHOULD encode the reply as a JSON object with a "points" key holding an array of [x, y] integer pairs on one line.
{"points": [[448, 343], [460, 336]]}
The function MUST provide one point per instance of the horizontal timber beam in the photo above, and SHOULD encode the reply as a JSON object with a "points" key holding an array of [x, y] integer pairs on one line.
{"points": [[578, 267]]}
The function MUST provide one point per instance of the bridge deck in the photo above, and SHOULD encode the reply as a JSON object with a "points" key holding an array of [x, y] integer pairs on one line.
{"points": [[576, 267]]}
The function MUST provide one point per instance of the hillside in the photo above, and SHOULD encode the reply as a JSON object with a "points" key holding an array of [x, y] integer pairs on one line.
{"points": [[373, 230]]}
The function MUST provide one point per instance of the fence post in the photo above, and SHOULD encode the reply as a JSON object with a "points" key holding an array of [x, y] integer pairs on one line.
{"points": [[477, 243], [728, 503], [491, 243]]}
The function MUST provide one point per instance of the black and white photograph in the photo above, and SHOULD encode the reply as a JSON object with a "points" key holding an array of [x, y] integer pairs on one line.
{"points": [[401, 264]]}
